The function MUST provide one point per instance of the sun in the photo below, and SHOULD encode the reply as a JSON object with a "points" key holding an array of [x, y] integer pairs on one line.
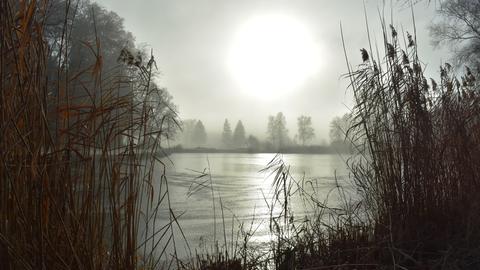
{"points": [[272, 55]]}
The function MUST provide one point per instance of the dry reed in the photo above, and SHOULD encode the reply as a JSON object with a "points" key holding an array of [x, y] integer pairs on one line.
{"points": [[77, 170]]}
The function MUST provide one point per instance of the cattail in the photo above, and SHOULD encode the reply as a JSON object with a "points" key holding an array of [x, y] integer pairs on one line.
{"points": [[364, 55], [394, 32], [375, 68], [411, 43]]}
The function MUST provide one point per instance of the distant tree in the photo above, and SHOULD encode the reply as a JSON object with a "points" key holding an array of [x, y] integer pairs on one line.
{"points": [[338, 129], [199, 134], [277, 130], [239, 135], [227, 134], [188, 128], [459, 28], [253, 143], [305, 129]]}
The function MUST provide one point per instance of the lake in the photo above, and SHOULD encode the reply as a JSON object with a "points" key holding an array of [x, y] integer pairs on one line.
{"points": [[241, 191]]}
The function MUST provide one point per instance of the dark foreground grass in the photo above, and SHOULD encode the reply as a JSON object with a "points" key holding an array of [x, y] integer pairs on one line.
{"points": [[77, 152]]}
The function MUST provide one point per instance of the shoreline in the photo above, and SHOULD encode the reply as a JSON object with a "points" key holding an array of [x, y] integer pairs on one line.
{"points": [[308, 151]]}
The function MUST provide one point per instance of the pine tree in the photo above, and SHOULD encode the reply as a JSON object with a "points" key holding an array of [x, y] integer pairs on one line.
{"points": [[239, 135], [227, 134], [199, 134]]}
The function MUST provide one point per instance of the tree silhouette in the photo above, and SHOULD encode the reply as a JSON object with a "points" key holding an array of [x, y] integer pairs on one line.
{"points": [[338, 131], [188, 128], [199, 134], [253, 143], [227, 134], [305, 129], [277, 130], [239, 135]]}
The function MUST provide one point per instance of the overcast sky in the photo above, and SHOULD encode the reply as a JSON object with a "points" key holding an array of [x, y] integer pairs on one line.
{"points": [[192, 41]]}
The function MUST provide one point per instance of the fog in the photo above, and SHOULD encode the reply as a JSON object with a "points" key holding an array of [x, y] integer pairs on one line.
{"points": [[192, 40]]}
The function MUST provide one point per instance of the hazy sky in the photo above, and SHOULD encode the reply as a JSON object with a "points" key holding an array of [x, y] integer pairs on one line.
{"points": [[193, 42]]}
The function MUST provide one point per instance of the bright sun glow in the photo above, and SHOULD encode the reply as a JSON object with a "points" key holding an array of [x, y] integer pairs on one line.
{"points": [[273, 55]]}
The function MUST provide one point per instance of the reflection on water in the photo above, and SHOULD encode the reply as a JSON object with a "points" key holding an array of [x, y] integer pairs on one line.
{"points": [[243, 190]]}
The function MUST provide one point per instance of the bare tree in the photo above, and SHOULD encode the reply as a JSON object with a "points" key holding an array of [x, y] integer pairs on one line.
{"points": [[459, 28]]}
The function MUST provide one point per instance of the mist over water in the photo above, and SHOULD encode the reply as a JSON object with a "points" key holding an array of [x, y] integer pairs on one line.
{"points": [[244, 191]]}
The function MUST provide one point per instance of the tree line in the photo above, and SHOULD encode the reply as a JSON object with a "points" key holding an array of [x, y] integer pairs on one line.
{"points": [[194, 134]]}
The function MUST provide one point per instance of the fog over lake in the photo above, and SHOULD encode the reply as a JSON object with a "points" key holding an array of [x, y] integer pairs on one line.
{"points": [[244, 192]]}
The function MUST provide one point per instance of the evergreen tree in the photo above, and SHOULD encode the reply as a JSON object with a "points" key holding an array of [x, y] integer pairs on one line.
{"points": [[239, 135], [199, 134], [227, 134]]}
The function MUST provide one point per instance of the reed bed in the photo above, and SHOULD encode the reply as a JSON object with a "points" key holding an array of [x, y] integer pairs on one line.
{"points": [[78, 156], [419, 157]]}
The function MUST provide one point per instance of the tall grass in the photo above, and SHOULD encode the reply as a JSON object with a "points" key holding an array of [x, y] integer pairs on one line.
{"points": [[76, 171], [419, 156]]}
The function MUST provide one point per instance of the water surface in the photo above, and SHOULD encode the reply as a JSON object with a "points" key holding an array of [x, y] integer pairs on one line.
{"points": [[240, 190]]}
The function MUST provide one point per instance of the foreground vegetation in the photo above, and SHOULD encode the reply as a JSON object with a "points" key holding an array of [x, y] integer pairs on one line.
{"points": [[77, 183]]}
